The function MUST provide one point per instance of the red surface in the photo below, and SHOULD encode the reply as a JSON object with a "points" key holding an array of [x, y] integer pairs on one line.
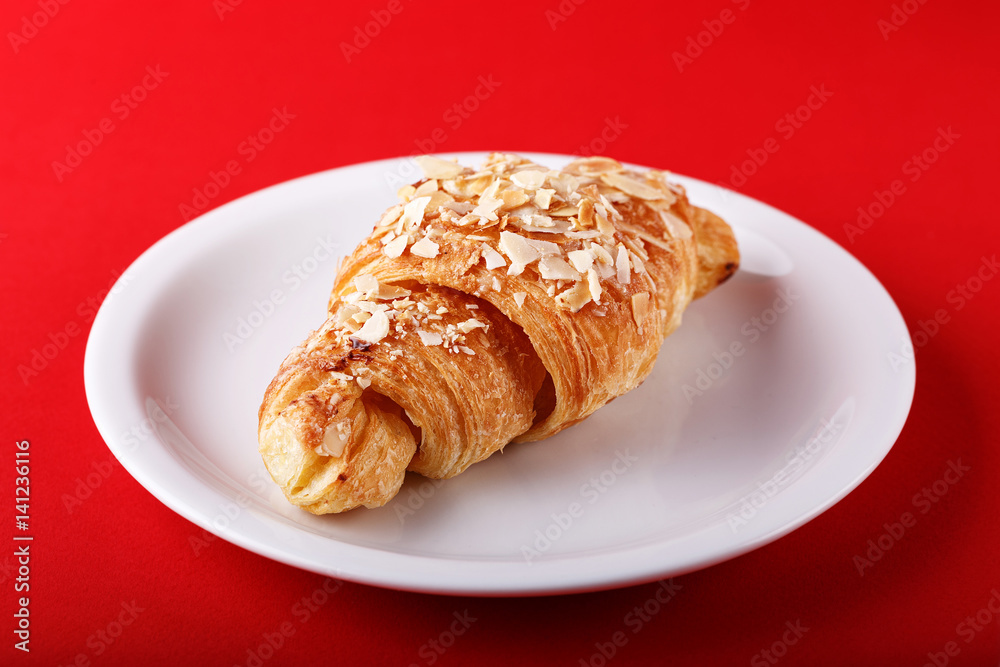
{"points": [[65, 236]]}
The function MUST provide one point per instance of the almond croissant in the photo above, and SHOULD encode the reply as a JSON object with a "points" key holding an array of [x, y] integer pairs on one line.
{"points": [[490, 306]]}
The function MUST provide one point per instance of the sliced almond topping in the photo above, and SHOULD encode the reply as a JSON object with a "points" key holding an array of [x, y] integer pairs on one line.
{"points": [[555, 268], [494, 260], [565, 211], [375, 329], [519, 250], [429, 338], [677, 227], [623, 266], [364, 383], [530, 179], [335, 440], [468, 350], [487, 208], [390, 292], [594, 283], [645, 236], [543, 198], [581, 260], [544, 247], [391, 216], [395, 247], [587, 213], [426, 188], [405, 193], [519, 298], [470, 324], [514, 198], [594, 165], [575, 297], [601, 255], [425, 248], [640, 308], [413, 212], [366, 283], [633, 186], [435, 167], [496, 283], [460, 207], [637, 264]]}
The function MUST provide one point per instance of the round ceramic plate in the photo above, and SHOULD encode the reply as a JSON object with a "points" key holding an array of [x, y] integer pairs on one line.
{"points": [[779, 394]]}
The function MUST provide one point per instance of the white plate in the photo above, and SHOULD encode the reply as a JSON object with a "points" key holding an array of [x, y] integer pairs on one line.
{"points": [[779, 394]]}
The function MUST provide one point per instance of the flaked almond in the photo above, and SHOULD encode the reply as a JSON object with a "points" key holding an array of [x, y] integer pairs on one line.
{"points": [[594, 283], [395, 247], [565, 211], [675, 226], [405, 193], [391, 215], [426, 188], [513, 198], [364, 383], [470, 324], [435, 167], [544, 247], [601, 255], [375, 329], [530, 179], [575, 297], [487, 208], [633, 186], [429, 338], [640, 308], [645, 236], [637, 263], [623, 266], [556, 268], [594, 165], [494, 260], [518, 249], [413, 212], [425, 248], [581, 260], [519, 298], [390, 292], [366, 283], [543, 198], [335, 440]]}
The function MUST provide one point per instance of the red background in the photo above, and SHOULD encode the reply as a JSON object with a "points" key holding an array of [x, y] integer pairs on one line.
{"points": [[64, 237]]}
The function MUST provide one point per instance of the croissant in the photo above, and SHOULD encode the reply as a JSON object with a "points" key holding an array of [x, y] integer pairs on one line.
{"points": [[490, 306]]}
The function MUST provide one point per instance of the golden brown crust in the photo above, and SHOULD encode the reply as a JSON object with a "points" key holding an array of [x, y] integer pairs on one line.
{"points": [[467, 299]]}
